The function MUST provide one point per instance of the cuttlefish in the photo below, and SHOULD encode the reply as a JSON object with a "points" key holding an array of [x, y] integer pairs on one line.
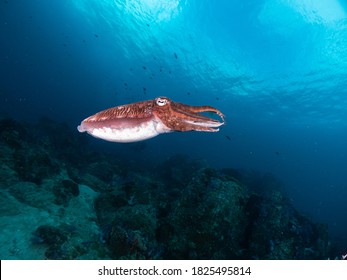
{"points": [[146, 119]]}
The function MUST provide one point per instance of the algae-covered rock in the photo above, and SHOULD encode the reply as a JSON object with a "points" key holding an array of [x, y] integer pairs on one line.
{"points": [[50, 235], [278, 231], [7, 176], [132, 234], [209, 219], [64, 191], [34, 164], [32, 194]]}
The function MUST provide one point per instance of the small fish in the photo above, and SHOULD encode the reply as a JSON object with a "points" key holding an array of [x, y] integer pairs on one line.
{"points": [[175, 55], [228, 137]]}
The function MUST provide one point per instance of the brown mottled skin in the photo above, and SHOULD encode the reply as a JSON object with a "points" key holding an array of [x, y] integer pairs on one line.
{"points": [[138, 110], [176, 116]]}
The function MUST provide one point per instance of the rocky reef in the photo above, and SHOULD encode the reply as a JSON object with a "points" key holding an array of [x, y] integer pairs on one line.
{"points": [[62, 199]]}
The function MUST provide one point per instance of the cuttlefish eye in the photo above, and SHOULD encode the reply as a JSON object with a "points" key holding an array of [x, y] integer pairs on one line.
{"points": [[161, 101]]}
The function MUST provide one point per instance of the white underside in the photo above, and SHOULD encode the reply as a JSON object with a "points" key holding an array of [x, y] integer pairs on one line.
{"points": [[144, 131]]}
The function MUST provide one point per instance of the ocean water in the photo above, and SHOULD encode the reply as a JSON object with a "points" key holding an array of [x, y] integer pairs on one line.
{"points": [[276, 69]]}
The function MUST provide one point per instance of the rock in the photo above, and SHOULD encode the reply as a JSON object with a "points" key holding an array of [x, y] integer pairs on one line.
{"points": [[133, 232], [64, 190], [32, 194], [209, 219]]}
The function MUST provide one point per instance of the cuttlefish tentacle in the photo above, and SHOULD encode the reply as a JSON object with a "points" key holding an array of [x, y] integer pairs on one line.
{"points": [[200, 109], [179, 124]]}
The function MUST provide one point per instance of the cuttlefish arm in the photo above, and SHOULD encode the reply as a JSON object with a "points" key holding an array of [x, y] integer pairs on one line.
{"points": [[182, 117], [199, 109]]}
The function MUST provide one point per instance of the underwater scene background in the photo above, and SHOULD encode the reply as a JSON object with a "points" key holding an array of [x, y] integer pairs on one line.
{"points": [[271, 184]]}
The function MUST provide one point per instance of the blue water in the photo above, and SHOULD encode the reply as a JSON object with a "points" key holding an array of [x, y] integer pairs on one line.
{"points": [[277, 70]]}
